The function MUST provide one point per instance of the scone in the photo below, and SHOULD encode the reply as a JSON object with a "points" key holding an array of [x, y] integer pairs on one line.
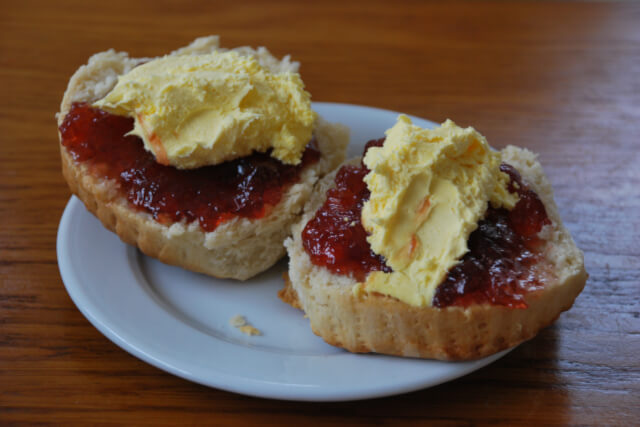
{"points": [[476, 259], [221, 209]]}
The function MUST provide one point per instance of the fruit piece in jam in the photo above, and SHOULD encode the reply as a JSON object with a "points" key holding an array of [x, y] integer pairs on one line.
{"points": [[502, 265], [247, 187]]}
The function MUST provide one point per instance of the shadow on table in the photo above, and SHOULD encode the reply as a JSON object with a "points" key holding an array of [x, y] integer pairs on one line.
{"points": [[525, 385], [521, 385]]}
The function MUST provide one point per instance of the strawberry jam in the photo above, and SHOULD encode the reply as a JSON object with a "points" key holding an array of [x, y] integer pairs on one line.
{"points": [[247, 187], [335, 237], [502, 265]]}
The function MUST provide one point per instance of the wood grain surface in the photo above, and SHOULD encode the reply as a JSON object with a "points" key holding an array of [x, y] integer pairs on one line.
{"points": [[562, 79]]}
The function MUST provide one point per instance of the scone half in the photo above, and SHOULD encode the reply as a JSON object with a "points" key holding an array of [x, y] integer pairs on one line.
{"points": [[372, 322], [240, 247]]}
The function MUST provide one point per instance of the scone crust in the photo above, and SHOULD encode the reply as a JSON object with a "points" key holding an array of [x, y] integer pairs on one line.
{"points": [[382, 324], [239, 248]]}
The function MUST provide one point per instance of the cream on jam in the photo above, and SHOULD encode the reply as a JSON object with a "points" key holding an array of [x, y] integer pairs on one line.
{"points": [[502, 264], [247, 187]]}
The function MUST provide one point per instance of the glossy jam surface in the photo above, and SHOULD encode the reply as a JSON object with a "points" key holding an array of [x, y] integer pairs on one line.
{"points": [[502, 265], [529, 215], [246, 187], [335, 238]]}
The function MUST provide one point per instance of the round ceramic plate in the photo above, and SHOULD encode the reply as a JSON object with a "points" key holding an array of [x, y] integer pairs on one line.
{"points": [[178, 321]]}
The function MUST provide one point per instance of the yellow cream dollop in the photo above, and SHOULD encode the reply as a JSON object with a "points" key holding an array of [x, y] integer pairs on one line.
{"points": [[198, 110], [429, 188]]}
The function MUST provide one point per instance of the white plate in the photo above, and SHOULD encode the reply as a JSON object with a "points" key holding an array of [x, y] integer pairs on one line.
{"points": [[178, 321]]}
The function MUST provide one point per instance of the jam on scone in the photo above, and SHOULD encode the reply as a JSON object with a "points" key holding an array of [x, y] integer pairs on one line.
{"points": [[501, 266], [246, 187], [202, 158], [433, 245]]}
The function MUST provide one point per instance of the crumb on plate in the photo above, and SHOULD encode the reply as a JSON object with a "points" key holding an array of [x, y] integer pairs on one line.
{"points": [[240, 322]]}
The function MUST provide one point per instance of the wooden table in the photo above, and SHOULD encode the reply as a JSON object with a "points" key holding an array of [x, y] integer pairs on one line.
{"points": [[560, 79]]}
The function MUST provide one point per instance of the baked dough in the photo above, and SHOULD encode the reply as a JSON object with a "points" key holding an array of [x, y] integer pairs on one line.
{"points": [[382, 324], [239, 248]]}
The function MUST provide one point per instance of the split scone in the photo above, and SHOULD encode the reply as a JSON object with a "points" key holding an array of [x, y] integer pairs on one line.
{"points": [[202, 158], [434, 246]]}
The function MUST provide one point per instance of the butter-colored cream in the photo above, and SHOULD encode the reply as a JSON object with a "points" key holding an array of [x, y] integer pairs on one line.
{"points": [[429, 189], [197, 110]]}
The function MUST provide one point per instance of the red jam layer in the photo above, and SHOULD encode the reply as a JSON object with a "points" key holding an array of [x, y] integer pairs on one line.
{"points": [[502, 264], [247, 187], [335, 238]]}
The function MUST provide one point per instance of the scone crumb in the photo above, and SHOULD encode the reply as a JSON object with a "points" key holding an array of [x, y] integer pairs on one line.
{"points": [[237, 321], [240, 322], [249, 330]]}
